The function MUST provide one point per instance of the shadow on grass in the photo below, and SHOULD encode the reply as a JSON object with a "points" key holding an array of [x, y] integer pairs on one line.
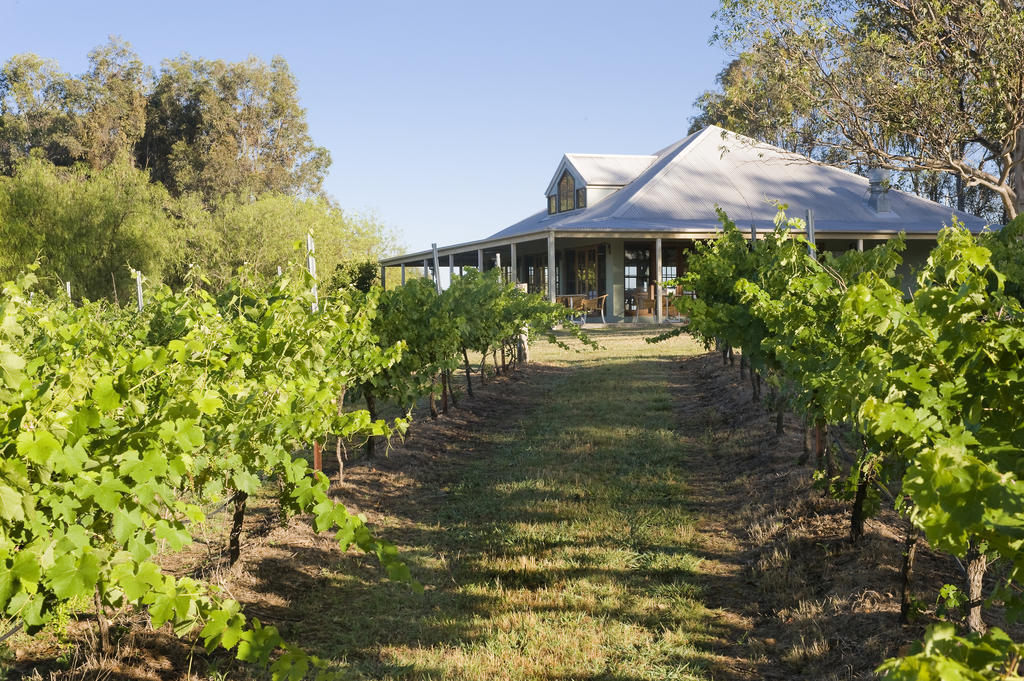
{"points": [[561, 547]]}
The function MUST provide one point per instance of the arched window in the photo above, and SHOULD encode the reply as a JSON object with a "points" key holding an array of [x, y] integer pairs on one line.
{"points": [[566, 192]]}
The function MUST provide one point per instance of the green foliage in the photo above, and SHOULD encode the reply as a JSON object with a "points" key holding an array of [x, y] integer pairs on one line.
{"points": [[944, 656], [217, 128], [931, 384], [422, 321], [362, 275], [112, 423], [269, 231], [97, 118], [85, 226], [231, 176], [1007, 247], [921, 87]]}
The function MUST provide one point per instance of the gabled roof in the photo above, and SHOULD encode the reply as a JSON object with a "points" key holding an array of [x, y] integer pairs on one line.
{"points": [[679, 189], [601, 170], [674, 192]]}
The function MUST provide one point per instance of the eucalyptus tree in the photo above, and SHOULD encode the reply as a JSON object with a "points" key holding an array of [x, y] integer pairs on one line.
{"points": [[218, 128], [923, 86], [34, 114], [95, 118]]}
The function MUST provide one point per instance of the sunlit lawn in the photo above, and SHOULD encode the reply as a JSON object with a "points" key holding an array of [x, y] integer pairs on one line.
{"points": [[562, 553]]}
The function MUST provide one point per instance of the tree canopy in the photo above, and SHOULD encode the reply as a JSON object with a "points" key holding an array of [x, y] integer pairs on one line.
{"points": [[928, 87], [197, 169]]}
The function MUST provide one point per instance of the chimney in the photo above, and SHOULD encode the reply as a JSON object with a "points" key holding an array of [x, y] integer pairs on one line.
{"points": [[878, 178]]}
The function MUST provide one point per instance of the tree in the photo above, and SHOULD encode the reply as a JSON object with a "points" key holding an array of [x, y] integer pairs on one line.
{"points": [[112, 104], [922, 86], [220, 128], [85, 226], [95, 118], [270, 231], [756, 101], [34, 112]]}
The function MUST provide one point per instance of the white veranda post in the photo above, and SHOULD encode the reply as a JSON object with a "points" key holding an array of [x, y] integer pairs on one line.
{"points": [[657, 279], [551, 267]]}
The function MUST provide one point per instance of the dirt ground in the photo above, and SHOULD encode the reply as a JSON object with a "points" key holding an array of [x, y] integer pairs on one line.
{"points": [[778, 569]]}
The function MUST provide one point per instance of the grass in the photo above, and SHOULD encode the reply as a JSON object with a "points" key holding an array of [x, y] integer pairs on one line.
{"points": [[563, 550]]}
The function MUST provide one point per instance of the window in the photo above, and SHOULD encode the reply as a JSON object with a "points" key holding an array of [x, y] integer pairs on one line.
{"points": [[552, 204], [669, 263], [581, 198], [637, 267], [566, 192]]}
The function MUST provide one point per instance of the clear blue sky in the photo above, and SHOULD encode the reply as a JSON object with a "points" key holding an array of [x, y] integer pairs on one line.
{"points": [[446, 119]]}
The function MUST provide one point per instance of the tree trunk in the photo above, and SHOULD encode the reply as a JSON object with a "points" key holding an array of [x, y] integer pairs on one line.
{"points": [[339, 447], [451, 393], [805, 454], [371, 406], [909, 553], [103, 641], [318, 457], [780, 413], [743, 367], [504, 364], [235, 538], [977, 562], [732, 357], [1017, 176], [469, 371], [857, 514], [444, 391], [341, 454], [433, 398], [819, 442]]}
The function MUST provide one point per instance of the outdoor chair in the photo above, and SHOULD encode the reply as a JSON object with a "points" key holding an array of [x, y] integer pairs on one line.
{"points": [[644, 305], [588, 305]]}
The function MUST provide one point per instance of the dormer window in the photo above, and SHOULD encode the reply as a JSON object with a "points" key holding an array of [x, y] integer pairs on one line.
{"points": [[565, 196], [566, 192]]}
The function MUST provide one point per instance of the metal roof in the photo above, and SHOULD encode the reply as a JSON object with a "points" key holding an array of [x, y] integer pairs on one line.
{"points": [[675, 193], [679, 191], [602, 170]]}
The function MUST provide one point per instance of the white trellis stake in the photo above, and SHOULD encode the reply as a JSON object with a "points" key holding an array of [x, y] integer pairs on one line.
{"points": [[311, 266], [138, 290], [810, 233]]}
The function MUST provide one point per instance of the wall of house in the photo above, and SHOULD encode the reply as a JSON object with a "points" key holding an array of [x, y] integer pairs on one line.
{"points": [[595, 194]]}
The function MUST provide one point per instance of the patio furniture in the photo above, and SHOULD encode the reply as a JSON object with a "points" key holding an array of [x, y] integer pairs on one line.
{"points": [[644, 305], [588, 305]]}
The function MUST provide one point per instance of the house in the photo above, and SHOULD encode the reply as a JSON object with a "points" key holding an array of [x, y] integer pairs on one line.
{"points": [[617, 225]]}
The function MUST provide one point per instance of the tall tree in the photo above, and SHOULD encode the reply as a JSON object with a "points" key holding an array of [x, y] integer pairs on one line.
{"points": [[220, 128], [35, 113], [923, 86], [112, 104]]}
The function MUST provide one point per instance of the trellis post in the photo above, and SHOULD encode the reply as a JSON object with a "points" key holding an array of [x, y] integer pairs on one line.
{"points": [[437, 269], [311, 266]]}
